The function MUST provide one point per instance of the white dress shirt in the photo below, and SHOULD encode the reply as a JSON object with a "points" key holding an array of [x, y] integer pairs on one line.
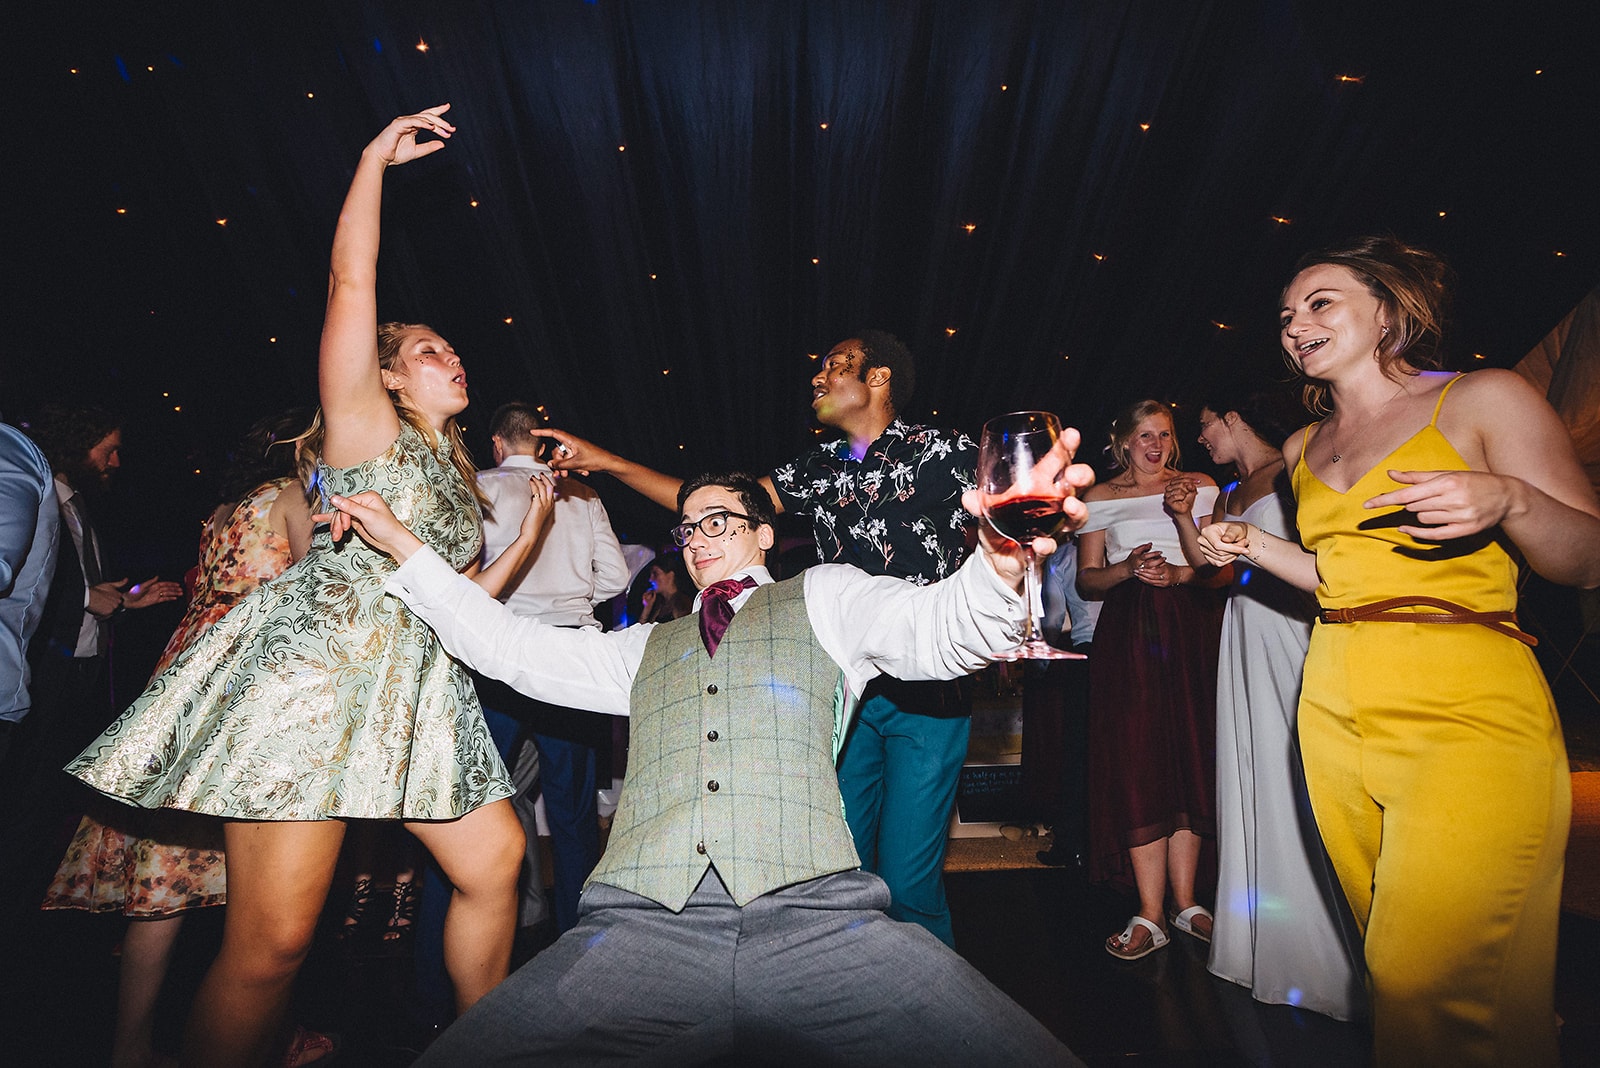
{"points": [[90, 642], [869, 625], [576, 564]]}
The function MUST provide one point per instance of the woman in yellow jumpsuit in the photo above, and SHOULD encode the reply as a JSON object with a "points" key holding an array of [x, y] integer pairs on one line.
{"points": [[1433, 754]]}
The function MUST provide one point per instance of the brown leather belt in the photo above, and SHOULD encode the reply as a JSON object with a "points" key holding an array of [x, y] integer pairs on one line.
{"points": [[1448, 612]]}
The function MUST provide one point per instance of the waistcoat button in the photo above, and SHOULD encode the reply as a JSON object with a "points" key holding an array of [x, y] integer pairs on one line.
{"points": [[712, 688], [713, 786], [712, 736], [700, 847]]}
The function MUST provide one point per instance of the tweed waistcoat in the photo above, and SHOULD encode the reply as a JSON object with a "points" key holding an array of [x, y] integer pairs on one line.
{"points": [[731, 760]]}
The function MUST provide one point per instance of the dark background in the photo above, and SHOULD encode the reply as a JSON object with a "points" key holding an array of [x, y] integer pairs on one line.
{"points": [[663, 299]]}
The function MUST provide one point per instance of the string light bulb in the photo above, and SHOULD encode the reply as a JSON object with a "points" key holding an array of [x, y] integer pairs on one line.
{"points": [[1220, 326], [815, 261], [1145, 127], [1280, 220], [1351, 79], [472, 203], [949, 331], [508, 320], [822, 126], [422, 46], [969, 227], [1099, 256], [222, 222]]}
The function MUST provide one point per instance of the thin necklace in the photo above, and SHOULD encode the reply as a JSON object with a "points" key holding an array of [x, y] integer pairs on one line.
{"points": [[1337, 456]]}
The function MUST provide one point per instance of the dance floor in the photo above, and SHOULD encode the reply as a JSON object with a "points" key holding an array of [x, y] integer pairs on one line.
{"points": [[1035, 931]]}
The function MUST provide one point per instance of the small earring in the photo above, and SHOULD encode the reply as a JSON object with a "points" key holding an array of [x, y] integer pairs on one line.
{"points": [[1385, 331]]}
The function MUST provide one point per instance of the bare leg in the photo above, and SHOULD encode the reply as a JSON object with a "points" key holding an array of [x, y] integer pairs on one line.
{"points": [[1183, 858], [278, 878], [1150, 877], [146, 955], [481, 854]]}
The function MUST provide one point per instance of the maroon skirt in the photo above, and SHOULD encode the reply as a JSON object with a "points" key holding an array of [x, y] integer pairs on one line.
{"points": [[1152, 720]]}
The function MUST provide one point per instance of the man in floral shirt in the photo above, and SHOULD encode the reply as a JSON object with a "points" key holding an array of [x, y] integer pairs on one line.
{"points": [[885, 497]]}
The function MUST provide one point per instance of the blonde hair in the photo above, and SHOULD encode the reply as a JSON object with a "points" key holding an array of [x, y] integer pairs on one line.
{"points": [[390, 337], [1128, 420], [1411, 283]]}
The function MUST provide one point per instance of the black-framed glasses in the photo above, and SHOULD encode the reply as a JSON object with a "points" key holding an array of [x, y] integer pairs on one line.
{"points": [[713, 525]]}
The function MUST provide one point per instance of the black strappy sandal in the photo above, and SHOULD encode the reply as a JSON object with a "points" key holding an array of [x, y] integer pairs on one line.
{"points": [[360, 898], [404, 916]]}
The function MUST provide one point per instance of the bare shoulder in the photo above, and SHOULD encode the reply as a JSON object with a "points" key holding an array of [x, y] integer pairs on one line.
{"points": [[1100, 491], [1493, 386]]}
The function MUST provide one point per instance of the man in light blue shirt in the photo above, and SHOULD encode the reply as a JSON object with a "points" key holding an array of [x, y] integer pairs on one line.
{"points": [[29, 520]]}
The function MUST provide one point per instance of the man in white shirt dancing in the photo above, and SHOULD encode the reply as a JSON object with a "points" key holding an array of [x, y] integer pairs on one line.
{"points": [[728, 914]]}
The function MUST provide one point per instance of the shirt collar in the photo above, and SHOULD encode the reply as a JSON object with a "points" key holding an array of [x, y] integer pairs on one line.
{"points": [[897, 428], [64, 490], [526, 462], [761, 575]]}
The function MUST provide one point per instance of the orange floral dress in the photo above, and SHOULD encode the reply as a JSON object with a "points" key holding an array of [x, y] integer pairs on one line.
{"points": [[160, 861]]}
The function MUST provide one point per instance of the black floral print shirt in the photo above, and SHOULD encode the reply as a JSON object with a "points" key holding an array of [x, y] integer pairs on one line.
{"points": [[896, 511]]}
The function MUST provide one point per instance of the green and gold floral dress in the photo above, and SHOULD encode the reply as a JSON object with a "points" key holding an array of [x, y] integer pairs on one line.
{"points": [[319, 696]]}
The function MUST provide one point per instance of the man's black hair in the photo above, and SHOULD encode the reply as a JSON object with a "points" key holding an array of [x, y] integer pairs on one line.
{"points": [[879, 348]]}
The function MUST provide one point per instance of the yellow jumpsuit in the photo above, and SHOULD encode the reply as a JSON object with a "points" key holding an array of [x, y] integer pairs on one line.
{"points": [[1439, 779]]}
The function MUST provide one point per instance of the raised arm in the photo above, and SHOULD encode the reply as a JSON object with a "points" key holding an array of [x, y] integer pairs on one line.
{"points": [[508, 565], [1526, 479], [359, 418], [572, 453]]}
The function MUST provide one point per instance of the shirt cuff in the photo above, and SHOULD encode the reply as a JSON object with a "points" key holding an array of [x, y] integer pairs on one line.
{"points": [[426, 571]]}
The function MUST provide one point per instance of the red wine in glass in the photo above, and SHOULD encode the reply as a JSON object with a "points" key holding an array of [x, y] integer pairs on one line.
{"points": [[1024, 518], [1022, 498]]}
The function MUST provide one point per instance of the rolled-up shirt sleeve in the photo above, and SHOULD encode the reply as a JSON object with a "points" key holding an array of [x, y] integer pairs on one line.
{"points": [[585, 668], [872, 625]]}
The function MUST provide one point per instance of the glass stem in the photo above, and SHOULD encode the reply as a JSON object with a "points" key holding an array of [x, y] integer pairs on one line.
{"points": [[1030, 591]]}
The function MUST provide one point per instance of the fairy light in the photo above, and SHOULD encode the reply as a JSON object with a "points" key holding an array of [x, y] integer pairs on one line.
{"points": [[652, 276], [472, 203], [1004, 87], [124, 211], [422, 46], [1099, 256], [1477, 355], [1560, 253], [1144, 127], [969, 227], [72, 70], [622, 148], [311, 96], [1280, 220], [815, 261], [811, 355], [507, 320], [666, 370], [1220, 326], [822, 126], [1351, 79], [222, 222], [272, 340], [1442, 214], [949, 331]]}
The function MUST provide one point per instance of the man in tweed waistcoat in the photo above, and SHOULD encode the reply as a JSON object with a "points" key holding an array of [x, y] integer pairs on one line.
{"points": [[728, 916]]}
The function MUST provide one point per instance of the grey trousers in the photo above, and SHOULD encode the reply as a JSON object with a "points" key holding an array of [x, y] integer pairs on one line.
{"points": [[813, 974]]}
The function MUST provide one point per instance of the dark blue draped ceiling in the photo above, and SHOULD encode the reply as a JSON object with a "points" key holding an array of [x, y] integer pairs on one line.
{"points": [[653, 212]]}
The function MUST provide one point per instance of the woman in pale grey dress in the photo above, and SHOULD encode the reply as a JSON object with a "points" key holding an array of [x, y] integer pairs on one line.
{"points": [[1280, 928]]}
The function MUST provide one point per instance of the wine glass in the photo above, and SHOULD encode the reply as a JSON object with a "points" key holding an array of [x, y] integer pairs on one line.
{"points": [[1022, 506]]}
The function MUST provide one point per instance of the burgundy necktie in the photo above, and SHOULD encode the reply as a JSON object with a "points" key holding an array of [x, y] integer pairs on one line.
{"points": [[716, 609]]}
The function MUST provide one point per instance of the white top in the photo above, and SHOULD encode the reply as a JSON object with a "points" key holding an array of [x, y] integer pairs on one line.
{"points": [[868, 624], [577, 563], [1129, 522]]}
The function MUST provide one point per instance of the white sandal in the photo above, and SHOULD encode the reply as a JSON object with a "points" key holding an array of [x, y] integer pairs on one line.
{"points": [[1158, 938], [1184, 921]]}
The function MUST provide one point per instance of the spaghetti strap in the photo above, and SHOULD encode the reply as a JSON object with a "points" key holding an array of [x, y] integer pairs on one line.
{"points": [[1305, 439], [1440, 402]]}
